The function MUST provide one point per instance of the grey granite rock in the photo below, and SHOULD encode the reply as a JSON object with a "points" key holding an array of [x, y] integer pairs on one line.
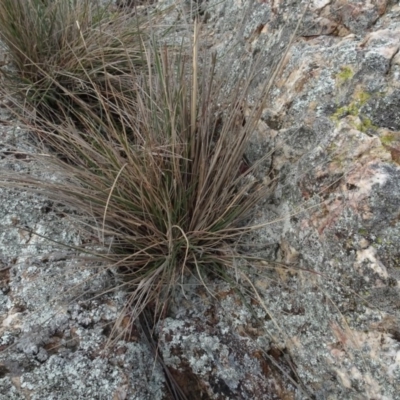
{"points": [[326, 323]]}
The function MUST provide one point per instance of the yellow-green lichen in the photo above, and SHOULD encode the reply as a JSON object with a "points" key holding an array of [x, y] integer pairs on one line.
{"points": [[345, 74], [388, 139], [354, 109], [365, 125], [362, 98], [341, 112]]}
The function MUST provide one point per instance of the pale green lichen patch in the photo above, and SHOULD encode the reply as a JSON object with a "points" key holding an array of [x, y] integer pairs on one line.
{"points": [[354, 109], [389, 138], [341, 112], [346, 73], [365, 125], [362, 98]]}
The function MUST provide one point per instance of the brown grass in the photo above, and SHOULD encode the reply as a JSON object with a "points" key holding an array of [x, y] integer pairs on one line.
{"points": [[152, 147], [63, 52], [150, 140]]}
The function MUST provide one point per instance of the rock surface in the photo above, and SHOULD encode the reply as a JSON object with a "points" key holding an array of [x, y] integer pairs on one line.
{"points": [[327, 323]]}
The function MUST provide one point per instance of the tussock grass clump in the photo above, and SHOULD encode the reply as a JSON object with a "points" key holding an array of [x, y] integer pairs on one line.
{"points": [[173, 201], [63, 52], [151, 141]]}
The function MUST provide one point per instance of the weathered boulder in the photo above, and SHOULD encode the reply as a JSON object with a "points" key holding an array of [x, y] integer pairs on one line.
{"points": [[326, 320], [331, 120]]}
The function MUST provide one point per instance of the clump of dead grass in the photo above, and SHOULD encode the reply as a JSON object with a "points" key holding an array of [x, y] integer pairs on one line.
{"points": [[168, 188], [62, 53], [159, 167], [167, 185]]}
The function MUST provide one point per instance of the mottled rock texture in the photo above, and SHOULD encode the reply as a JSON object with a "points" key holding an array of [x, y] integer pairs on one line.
{"points": [[326, 324]]}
